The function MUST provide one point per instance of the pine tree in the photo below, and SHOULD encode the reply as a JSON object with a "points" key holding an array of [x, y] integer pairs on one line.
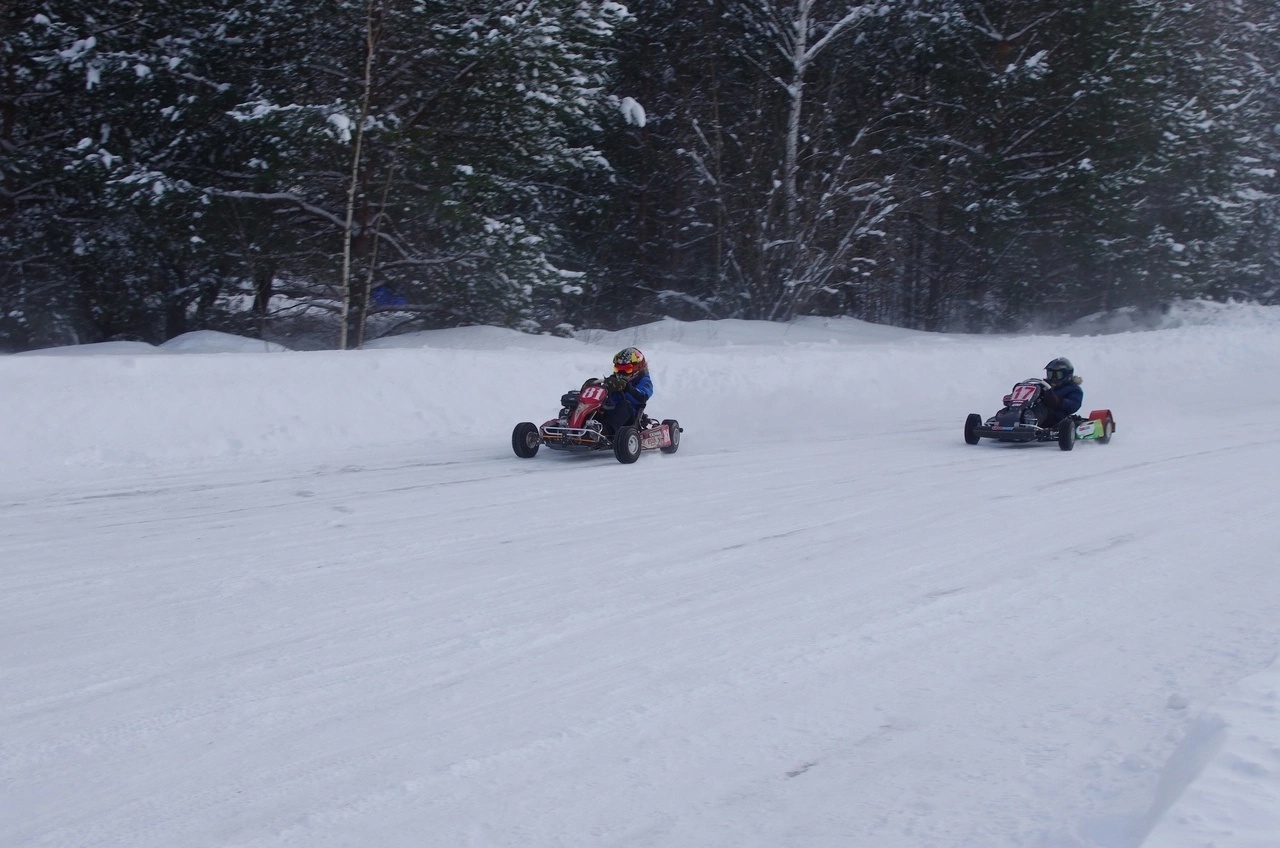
{"points": [[132, 113], [449, 139]]}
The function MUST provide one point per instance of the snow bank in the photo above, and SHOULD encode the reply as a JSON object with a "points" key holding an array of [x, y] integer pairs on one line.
{"points": [[208, 341], [1185, 313], [466, 388]]}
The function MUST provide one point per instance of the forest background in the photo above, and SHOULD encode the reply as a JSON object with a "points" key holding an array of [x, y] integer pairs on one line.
{"points": [[325, 173]]}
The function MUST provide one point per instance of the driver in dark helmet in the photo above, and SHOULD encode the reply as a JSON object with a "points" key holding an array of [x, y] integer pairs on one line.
{"points": [[1064, 396]]}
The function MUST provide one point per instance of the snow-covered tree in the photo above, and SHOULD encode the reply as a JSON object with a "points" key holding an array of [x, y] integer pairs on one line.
{"points": [[440, 156], [1053, 158], [932, 163], [128, 102], [1245, 54], [771, 195], [424, 147]]}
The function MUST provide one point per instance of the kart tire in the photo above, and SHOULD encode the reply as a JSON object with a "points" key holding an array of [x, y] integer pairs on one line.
{"points": [[626, 445], [1067, 434], [525, 440], [971, 425], [673, 427], [1107, 429]]}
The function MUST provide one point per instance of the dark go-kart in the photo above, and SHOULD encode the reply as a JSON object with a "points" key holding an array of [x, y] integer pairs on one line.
{"points": [[1019, 421], [578, 429]]}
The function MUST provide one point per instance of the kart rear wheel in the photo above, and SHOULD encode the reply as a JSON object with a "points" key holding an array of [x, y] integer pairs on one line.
{"points": [[673, 427], [971, 425], [1108, 427], [626, 445], [1067, 434], [525, 440]]}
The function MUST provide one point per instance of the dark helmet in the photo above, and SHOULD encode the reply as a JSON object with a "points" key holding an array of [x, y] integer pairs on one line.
{"points": [[629, 362], [1059, 371]]}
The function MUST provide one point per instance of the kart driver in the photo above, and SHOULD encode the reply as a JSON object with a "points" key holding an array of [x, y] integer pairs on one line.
{"points": [[630, 388], [1064, 395]]}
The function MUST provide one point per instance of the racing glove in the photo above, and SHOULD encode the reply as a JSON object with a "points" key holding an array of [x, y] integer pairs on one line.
{"points": [[615, 383]]}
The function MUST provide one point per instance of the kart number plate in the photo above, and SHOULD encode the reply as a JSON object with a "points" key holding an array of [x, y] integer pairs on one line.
{"points": [[1021, 394]]}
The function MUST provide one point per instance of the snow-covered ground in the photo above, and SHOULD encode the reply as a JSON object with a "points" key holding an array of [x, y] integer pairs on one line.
{"points": [[266, 598]]}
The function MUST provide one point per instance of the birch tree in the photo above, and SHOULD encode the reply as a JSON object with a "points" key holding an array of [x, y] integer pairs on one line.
{"points": [[822, 199]]}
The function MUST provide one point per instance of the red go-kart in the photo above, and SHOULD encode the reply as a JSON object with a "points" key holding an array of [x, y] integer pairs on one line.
{"points": [[578, 429]]}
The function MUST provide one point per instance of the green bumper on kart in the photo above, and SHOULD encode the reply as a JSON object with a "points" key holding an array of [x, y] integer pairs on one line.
{"points": [[1091, 429]]}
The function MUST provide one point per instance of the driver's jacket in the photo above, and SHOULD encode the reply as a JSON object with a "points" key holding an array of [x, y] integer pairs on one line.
{"points": [[638, 393], [1069, 395]]}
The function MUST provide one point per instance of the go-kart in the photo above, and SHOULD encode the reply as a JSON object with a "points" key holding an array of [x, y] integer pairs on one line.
{"points": [[1019, 421], [578, 429]]}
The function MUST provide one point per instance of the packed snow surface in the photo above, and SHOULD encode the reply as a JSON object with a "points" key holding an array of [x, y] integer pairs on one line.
{"points": [[254, 597]]}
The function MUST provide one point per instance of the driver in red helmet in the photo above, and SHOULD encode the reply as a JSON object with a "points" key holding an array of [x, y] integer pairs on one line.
{"points": [[630, 388]]}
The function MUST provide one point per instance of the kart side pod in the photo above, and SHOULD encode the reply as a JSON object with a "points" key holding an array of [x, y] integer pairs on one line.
{"points": [[1098, 426]]}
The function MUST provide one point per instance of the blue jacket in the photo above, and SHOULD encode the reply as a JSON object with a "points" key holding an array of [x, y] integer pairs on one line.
{"points": [[636, 393], [1066, 398]]}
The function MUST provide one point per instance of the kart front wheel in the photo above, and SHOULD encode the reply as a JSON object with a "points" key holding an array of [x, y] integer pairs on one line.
{"points": [[626, 445], [673, 427], [525, 440], [1067, 434], [971, 425]]}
